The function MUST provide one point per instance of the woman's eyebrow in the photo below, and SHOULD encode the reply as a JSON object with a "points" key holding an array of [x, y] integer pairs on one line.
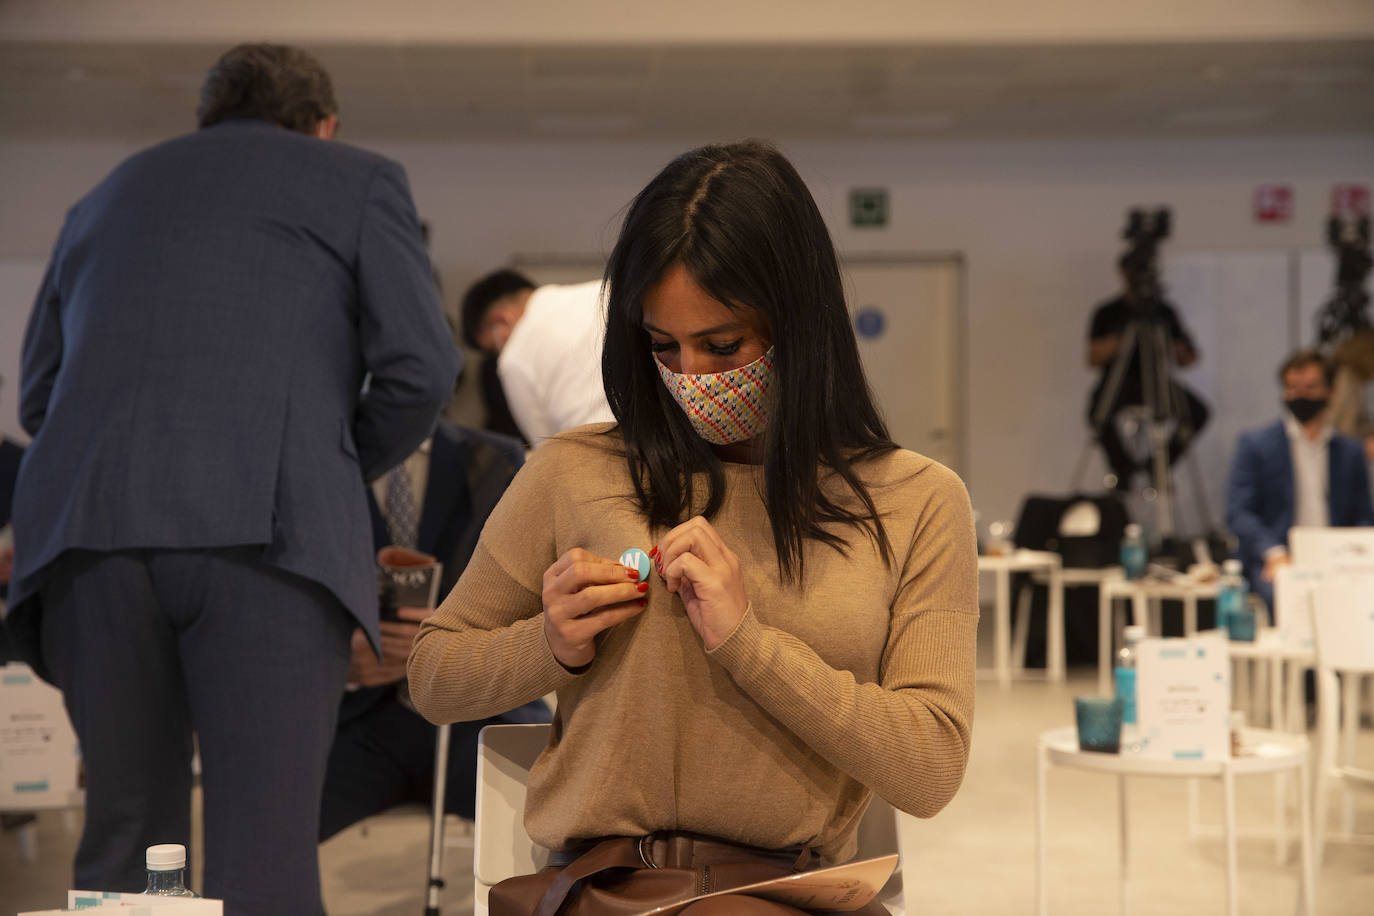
{"points": [[718, 329]]}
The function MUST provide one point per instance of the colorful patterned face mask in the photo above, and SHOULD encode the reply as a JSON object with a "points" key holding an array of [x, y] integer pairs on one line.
{"points": [[724, 407]]}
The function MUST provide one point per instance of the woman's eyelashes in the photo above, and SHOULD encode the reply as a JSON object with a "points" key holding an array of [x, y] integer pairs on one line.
{"points": [[725, 349]]}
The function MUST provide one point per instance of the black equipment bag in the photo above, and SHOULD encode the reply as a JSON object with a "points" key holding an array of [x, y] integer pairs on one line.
{"points": [[1083, 544]]}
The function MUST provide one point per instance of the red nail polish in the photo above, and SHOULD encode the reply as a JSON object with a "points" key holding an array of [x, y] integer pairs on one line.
{"points": [[643, 586], [643, 602], [653, 551], [632, 573]]}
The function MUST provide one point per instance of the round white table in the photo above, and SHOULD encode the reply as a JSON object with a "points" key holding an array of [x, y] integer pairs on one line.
{"points": [[1262, 751]]}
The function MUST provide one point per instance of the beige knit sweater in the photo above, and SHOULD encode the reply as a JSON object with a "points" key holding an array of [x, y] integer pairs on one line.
{"points": [[861, 677]]}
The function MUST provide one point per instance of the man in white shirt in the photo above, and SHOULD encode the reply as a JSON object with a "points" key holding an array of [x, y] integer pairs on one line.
{"points": [[547, 342], [1295, 471]]}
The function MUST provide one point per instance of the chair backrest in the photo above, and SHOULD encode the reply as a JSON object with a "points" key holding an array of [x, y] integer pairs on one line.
{"points": [[501, 847], [880, 835], [1343, 622]]}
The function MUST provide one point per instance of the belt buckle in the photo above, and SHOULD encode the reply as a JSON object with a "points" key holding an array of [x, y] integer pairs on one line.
{"points": [[646, 852]]}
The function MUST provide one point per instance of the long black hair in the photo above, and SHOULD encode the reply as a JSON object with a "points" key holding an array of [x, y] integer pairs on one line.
{"points": [[741, 221]]}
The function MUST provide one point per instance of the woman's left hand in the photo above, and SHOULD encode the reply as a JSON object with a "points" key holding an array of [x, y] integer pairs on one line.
{"points": [[705, 574]]}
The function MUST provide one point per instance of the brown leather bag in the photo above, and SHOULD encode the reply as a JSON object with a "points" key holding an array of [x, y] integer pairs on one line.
{"points": [[621, 876]]}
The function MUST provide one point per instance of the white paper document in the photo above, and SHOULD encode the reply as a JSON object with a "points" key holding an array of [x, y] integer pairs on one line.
{"points": [[1183, 698]]}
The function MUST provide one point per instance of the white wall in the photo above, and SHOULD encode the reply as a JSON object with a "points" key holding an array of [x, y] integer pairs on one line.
{"points": [[1036, 222], [615, 21]]}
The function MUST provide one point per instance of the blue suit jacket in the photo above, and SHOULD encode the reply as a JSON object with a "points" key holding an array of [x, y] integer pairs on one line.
{"points": [[469, 470], [1260, 496], [194, 365]]}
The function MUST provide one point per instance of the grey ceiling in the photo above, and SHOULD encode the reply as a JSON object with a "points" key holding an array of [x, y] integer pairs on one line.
{"points": [[448, 92]]}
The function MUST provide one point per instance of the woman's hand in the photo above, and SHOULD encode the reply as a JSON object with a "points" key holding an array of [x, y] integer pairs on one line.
{"points": [[705, 574], [583, 595]]}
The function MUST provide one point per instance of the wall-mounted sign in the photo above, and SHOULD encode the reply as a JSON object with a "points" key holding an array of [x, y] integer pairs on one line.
{"points": [[870, 322], [868, 207], [1350, 199], [1273, 203]]}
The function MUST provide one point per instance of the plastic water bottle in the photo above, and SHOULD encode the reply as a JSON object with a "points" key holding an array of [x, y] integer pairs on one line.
{"points": [[1134, 555], [1125, 672], [1233, 610], [167, 871]]}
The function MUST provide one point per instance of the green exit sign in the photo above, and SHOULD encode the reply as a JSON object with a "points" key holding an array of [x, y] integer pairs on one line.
{"points": [[868, 207]]}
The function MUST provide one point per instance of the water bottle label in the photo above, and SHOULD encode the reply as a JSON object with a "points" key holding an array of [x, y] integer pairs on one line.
{"points": [[1125, 689]]}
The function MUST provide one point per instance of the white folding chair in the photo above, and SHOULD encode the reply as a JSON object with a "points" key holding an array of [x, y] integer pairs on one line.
{"points": [[502, 848], [1343, 623]]}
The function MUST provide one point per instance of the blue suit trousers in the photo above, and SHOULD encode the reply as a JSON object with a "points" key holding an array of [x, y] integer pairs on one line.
{"points": [[152, 646]]}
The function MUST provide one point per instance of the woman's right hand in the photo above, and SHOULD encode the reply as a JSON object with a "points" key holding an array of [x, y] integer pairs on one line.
{"points": [[583, 595]]}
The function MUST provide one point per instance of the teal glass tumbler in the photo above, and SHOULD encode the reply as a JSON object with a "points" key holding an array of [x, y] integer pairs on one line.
{"points": [[1099, 724], [1240, 624]]}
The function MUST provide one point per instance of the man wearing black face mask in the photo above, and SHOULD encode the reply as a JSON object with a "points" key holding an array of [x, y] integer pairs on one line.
{"points": [[1295, 471]]}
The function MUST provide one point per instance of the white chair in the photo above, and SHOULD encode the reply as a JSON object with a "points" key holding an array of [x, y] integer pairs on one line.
{"points": [[1343, 623], [502, 848]]}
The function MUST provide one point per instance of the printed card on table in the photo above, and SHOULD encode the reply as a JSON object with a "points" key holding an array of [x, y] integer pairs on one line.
{"points": [[1293, 590], [38, 749], [136, 905], [1183, 698]]}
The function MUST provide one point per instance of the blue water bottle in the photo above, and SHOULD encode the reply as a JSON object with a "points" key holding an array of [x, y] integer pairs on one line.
{"points": [[1134, 555], [1125, 671], [1233, 610]]}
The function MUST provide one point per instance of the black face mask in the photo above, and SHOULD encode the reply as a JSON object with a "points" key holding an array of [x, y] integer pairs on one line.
{"points": [[1304, 409]]}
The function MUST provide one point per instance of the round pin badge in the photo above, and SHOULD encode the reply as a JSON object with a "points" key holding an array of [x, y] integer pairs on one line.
{"points": [[637, 560]]}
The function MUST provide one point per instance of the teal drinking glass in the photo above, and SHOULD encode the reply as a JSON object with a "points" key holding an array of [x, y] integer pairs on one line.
{"points": [[1099, 724]]}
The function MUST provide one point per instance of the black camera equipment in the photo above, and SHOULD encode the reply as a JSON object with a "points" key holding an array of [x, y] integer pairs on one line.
{"points": [[1345, 311], [1147, 333]]}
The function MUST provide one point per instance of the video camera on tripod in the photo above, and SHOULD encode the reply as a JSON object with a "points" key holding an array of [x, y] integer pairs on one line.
{"points": [[1149, 342], [1345, 312], [1145, 229]]}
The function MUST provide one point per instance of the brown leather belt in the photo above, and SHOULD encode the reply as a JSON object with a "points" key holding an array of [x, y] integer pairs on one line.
{"points": [[678, 849]]}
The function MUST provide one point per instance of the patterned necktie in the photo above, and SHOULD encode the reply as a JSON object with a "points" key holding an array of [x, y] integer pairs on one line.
{"points": [[402, 519]]}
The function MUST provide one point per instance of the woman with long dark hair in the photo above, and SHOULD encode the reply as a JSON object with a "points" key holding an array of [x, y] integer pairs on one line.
{"points": [[808, 636]]}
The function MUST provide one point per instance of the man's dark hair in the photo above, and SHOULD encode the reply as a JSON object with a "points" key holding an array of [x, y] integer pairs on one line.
{"points": [[1301, 359], [742, 223], [276, 83], [485, 293]]}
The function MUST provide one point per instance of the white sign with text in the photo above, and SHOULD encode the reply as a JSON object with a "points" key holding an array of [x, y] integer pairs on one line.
{"points": [[1183, 696]]}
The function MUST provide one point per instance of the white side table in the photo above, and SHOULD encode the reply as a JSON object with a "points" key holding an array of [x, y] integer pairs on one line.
{"points": [[1262, 752], [1145, 596], [1031, 561]]}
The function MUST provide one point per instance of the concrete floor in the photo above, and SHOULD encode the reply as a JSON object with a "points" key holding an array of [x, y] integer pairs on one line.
{"points": [[979, 854]]}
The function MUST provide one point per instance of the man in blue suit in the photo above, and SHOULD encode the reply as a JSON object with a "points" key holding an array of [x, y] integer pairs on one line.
{"points": [[1295, 471], [437, 502], [237, 328]]}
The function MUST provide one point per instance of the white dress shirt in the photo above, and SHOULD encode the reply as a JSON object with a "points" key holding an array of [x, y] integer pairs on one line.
{"points": [[1311, 470], [550, 367]]}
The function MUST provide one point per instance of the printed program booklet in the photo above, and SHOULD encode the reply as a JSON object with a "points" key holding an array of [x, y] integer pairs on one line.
{"points": [[406, 578]]}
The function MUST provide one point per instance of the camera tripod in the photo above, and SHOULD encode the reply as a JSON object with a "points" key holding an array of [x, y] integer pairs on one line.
{"points": [[1163, 402]]}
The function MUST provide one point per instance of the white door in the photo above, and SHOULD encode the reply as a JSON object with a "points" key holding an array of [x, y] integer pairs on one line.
{"points": [[907, 320]]}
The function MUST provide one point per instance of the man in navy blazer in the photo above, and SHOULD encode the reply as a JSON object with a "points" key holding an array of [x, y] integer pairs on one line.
{"points": [[237, 328], [1295, 471], [383, 755]]}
